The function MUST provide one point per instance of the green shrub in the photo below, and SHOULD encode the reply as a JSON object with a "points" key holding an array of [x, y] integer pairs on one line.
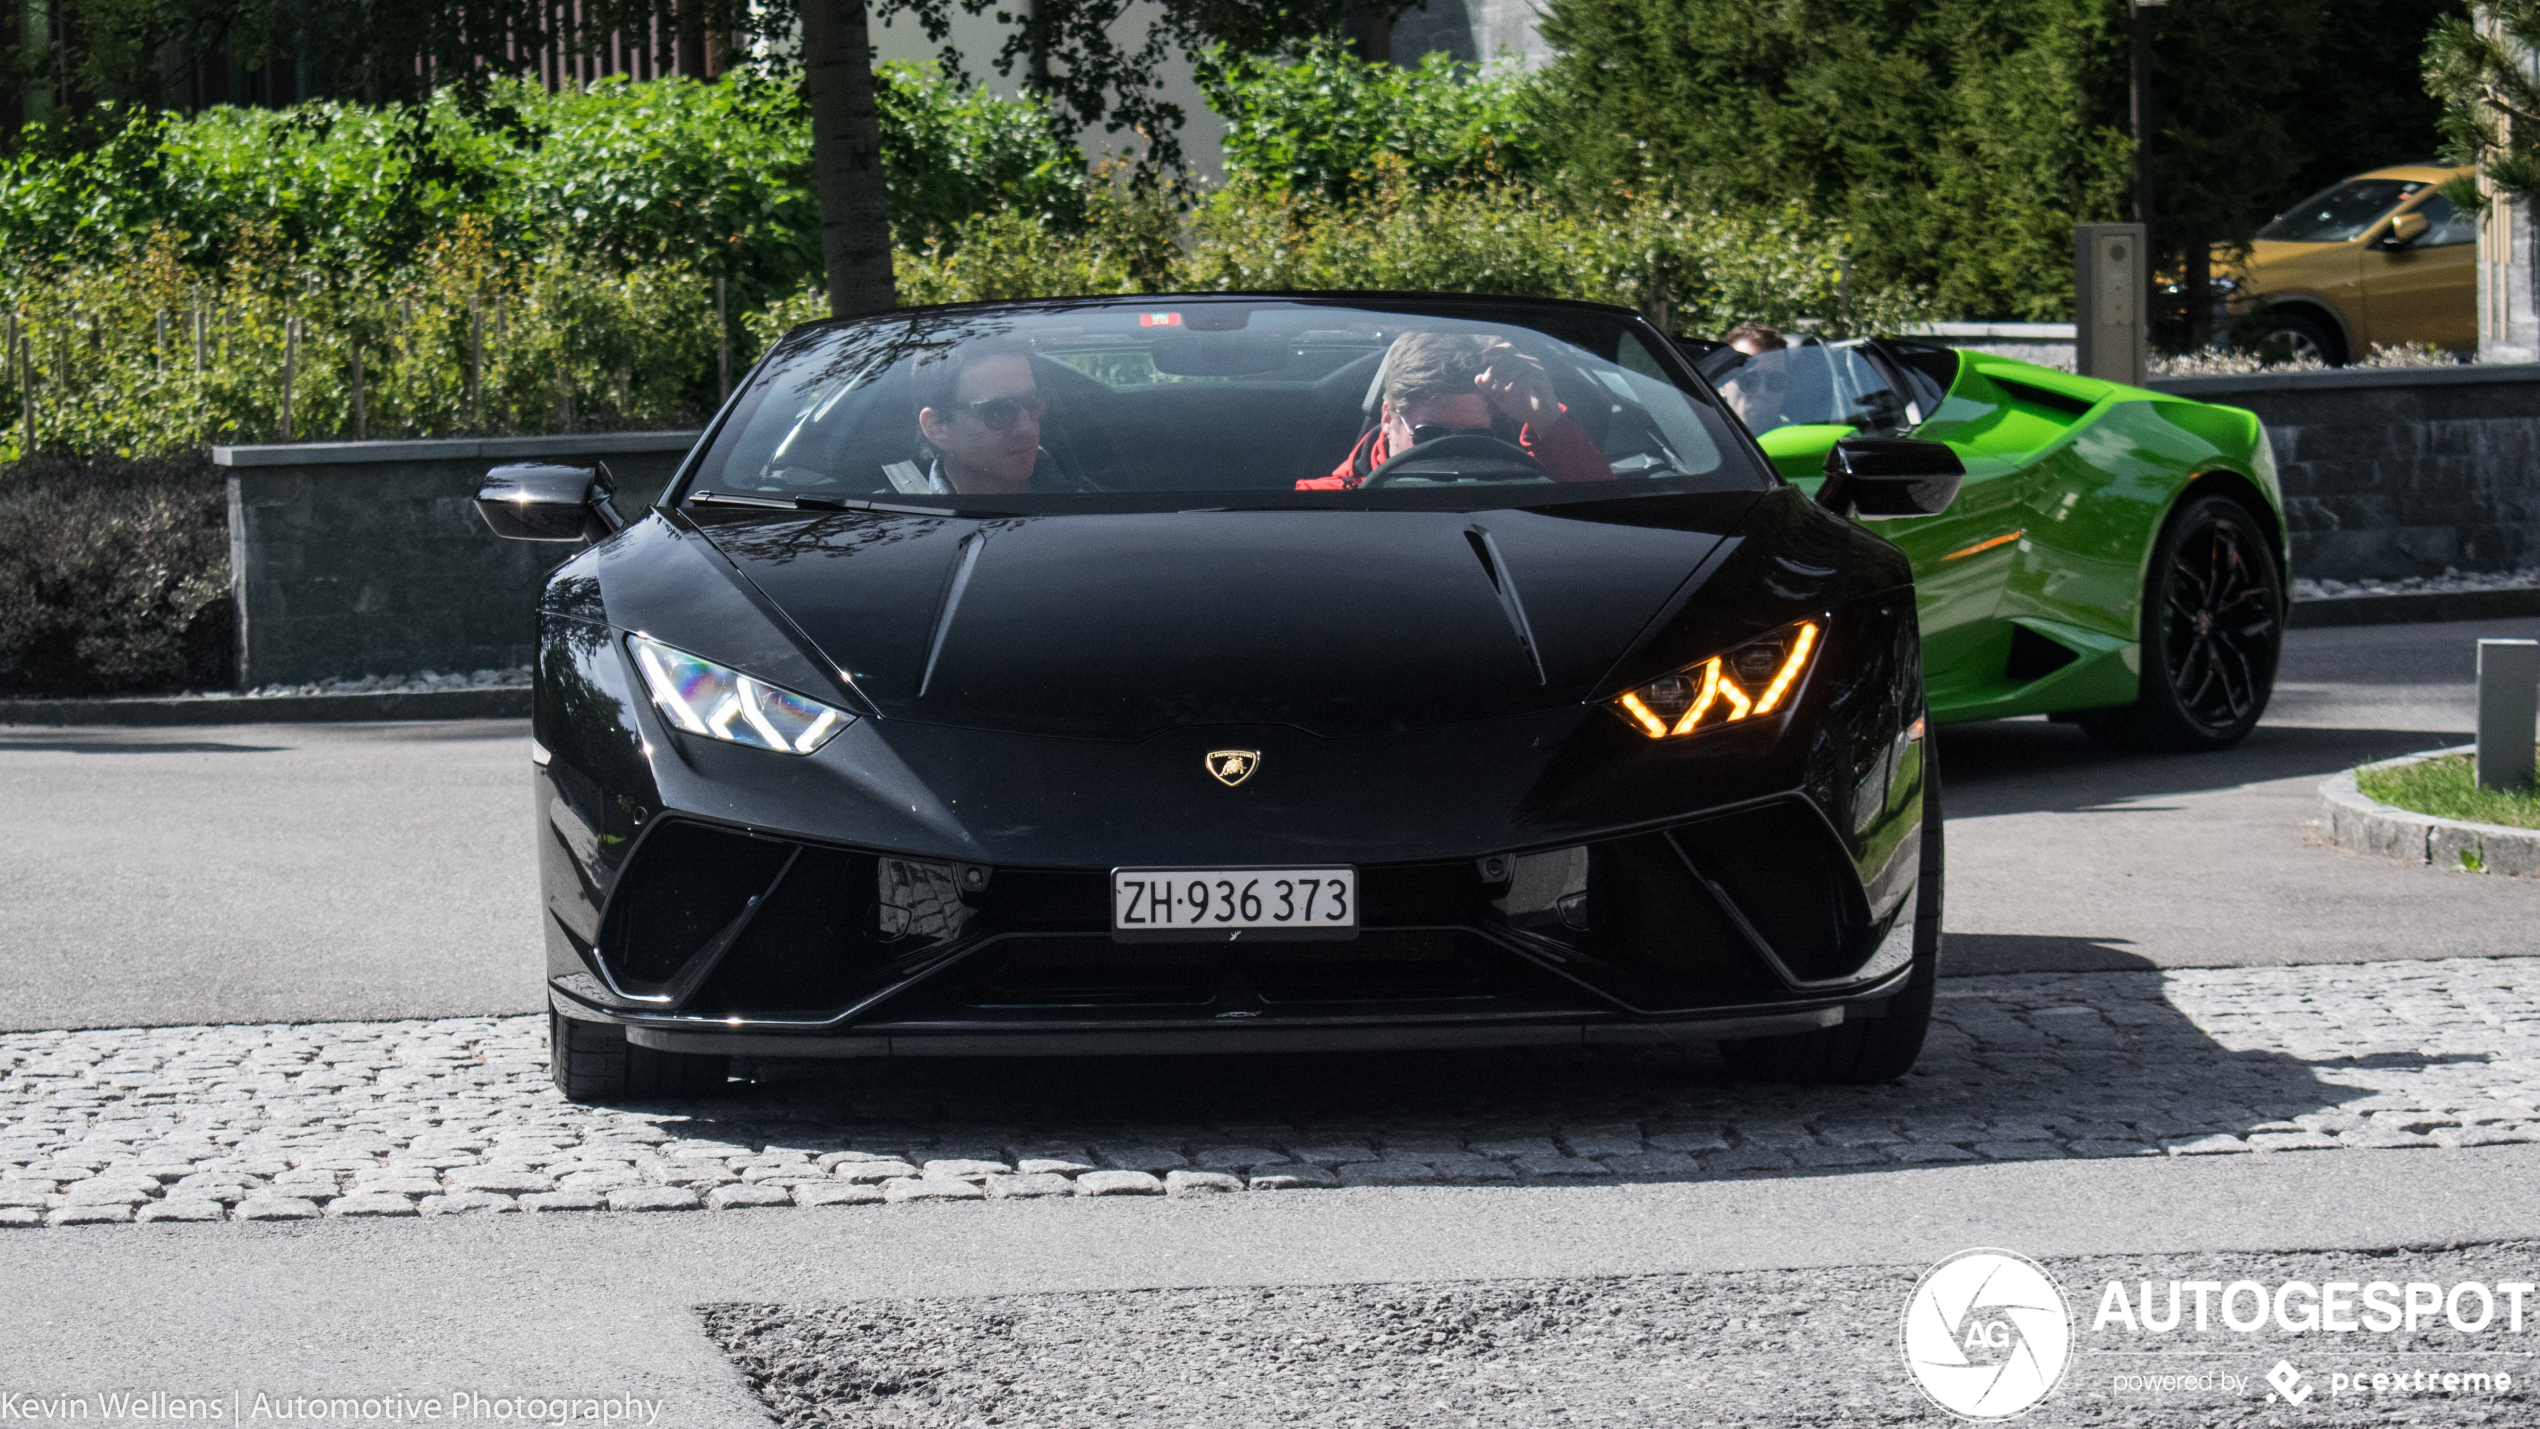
{"points": [[1694, 270], [1317, 122], [623, 174], [137, 358], [114, 577]]}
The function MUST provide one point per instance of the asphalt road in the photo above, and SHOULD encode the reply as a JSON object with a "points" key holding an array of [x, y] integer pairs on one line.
{"points": [[570, 1305], [316, 872]]}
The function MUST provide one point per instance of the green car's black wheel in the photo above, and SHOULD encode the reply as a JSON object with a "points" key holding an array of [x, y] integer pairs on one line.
{"points": [[1870, 1049], [593, 1062], [2213, 625]]}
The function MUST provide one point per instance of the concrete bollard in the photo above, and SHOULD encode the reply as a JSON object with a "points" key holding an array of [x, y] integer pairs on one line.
{"points": [[2508, 708]]}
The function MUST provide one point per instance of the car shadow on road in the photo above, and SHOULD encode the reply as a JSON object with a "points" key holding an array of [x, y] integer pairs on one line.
{"points": [[2037, 766], [2104, 1060], [76, 745]]}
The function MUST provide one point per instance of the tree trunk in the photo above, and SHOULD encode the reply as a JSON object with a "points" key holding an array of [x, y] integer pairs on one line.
{"points": [[2200, 294], [689, 52], [846, 158]]}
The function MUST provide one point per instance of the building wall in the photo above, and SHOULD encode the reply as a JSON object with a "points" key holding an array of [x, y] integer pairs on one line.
{"points": [[1466, 30]]}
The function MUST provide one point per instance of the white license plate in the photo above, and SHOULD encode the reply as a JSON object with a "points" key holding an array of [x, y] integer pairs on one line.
{"points": [[1225, 904]]}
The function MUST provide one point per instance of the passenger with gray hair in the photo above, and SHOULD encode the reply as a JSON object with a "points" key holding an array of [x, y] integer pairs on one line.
{"points": [[1438, 384]]}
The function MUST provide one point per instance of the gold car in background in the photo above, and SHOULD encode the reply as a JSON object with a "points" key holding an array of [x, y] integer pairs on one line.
{"points": [[2378, 260]]}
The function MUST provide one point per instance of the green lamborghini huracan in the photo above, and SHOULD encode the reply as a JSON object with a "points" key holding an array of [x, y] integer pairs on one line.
{"points": [[2115, 557]]}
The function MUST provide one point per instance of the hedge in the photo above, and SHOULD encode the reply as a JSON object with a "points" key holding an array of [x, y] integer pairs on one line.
{"points": [[114, 577]]}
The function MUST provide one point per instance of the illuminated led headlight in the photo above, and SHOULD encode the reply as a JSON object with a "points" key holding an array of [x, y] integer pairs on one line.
{"points": [[703, 697], [1746, 683]]}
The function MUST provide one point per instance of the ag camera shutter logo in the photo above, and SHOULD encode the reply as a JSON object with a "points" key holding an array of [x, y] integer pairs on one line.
{"points": [[1986, 1334]]}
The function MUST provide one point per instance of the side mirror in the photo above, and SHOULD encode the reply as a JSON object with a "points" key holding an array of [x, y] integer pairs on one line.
{"points": [[2407, 228], [535, 501], [1800, 450], [1880, 478]]}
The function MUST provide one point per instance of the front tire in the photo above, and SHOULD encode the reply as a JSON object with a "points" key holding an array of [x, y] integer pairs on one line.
{"points": [[593, 1062], [2299, 335], [1872, 1049], [2212, 628]]}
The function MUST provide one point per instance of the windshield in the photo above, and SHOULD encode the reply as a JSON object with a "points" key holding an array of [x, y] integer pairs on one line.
{"points": [[2339, 213], [1169, 402], [1813, 384]]}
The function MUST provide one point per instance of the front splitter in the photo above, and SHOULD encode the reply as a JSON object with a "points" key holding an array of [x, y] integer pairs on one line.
{"points": [[972, 1042]]}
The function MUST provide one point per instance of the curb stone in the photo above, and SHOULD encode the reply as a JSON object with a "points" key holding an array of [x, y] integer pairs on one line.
{"points": [[2352, 819], [2414, 607], [480, 702]]}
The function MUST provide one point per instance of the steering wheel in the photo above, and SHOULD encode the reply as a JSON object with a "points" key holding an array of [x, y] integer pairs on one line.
{"points": [[1465, 456]]}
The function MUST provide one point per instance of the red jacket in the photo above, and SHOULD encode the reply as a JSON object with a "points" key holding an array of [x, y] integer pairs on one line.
{"points": [[1561, 447]]}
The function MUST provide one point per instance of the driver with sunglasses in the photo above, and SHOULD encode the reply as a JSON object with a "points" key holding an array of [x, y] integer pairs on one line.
{"points": [[980, 412], [1439, 384]]}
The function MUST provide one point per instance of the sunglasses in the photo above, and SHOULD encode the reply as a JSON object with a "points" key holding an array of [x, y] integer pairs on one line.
{"points": [[999, 414], [1429, 432]]}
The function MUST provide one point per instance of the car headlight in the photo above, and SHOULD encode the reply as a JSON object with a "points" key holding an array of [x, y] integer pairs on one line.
{"points": [[705, 698], [1745, 683]]}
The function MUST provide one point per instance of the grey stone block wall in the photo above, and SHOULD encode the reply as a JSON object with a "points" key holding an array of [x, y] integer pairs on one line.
{"points": [[2390, 473], [368, 558]]}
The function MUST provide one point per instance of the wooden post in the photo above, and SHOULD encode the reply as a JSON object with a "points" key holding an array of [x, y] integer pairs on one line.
{"points": [[361, 416], [202, 326], [26, 387], [290, 366], [24, 372], [159, 348], [722, 337], [475, 364]]}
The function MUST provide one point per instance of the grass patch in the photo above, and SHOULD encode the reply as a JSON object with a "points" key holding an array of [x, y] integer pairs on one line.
{"points": [[2448, 789]]}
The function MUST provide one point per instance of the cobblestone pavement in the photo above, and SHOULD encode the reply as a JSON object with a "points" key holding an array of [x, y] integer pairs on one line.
{"points": [[457, 1115]]}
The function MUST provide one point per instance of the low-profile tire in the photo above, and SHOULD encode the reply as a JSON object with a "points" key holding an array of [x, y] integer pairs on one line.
{"points": [[2212, 629], [1861, 1051], [2297, 335], [593, 1062]]}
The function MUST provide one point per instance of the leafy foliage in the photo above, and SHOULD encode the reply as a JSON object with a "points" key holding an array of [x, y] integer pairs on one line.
{"points": [[139, 357], [1696, 269], [1316, 122], [2491, 103], [1961, 140], [715, 176]]}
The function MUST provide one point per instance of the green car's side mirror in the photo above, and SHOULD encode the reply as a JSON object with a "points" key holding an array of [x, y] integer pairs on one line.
{"points": [[1799, 451], [1880, 478]]}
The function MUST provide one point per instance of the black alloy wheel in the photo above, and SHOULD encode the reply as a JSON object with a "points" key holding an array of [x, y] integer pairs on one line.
{"points": [[2213, 626], [593, 1062], [2295, 336], [1867, 1050]]}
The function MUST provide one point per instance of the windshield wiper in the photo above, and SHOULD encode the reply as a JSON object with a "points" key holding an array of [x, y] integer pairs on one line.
{"points": [[831, 503], [725, 498]]}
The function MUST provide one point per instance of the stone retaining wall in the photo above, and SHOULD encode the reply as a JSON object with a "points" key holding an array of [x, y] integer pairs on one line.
{"points": [[368, 558], [2397, 472], [363, 558]]}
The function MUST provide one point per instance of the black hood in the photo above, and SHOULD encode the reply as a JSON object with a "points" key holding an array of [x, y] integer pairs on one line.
{"points": [[1339, 622]]}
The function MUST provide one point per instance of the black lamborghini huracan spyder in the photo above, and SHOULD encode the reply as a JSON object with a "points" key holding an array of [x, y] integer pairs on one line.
{"points": [[1231, 673]]}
